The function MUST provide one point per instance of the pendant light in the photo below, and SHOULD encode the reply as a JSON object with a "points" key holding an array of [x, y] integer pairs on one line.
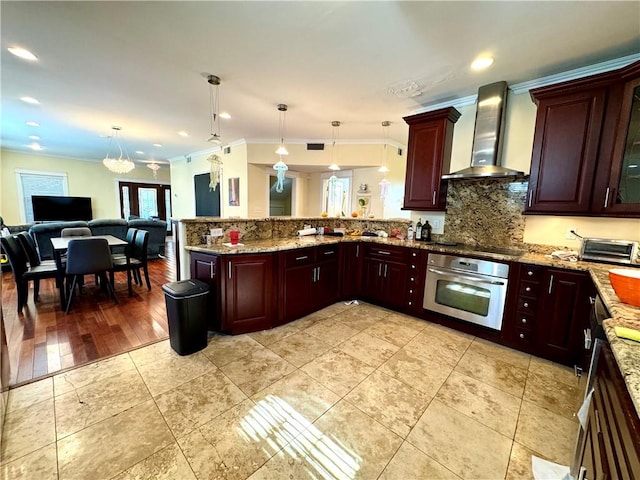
{"points": [[385, 127], [120, 164], [280, 167], [214, 118], [334, 148], [154, 167]]}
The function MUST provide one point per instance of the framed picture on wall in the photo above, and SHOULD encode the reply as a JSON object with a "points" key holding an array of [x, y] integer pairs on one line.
{"points": [[234, 192]]}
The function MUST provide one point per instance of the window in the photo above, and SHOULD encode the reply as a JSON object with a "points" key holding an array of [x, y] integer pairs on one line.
{"points": [[38, 183], [336, 193]]}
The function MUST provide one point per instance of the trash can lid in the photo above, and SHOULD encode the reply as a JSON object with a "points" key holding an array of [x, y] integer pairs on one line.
{"points": [[185, 288]]}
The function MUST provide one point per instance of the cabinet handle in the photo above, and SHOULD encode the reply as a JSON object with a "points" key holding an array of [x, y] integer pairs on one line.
{"points": [[211, 270], [318, 274], [380, 270], [382, 252], [229, 268], [525, 305], [410, 291], [330, 252], [410, 303], [524, 320], [413, 267], [530, 198], [595, 414], [412, 279], [530, 273], [385, 270], [606, 198], [528, 289], [434, 197], [587, 338], [521, 335], [550, 284], [357, 250], [304, 257], [414, 254]]}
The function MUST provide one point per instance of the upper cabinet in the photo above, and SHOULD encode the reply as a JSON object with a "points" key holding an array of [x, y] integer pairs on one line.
{"points": [[428, 157], [586, 147]]}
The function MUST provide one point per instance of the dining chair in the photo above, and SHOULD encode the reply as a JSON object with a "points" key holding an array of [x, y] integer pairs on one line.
{"points": [[30, 248], [76, 232], [134, 261], [88, 256], [130, 238], [23, 273]]}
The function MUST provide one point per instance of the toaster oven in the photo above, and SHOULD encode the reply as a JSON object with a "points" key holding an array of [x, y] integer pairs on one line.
{"points": [[610, 251]]}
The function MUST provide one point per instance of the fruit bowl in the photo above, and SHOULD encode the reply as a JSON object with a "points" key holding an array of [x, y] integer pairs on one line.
{"points": [[626, 284]]}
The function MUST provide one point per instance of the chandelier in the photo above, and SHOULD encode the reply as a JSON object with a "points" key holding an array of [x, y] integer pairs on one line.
{"points": [[334, 147], [214, 104], [120, 164], [280, 167], [154, 167]]}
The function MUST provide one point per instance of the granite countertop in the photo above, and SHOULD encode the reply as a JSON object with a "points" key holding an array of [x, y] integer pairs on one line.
{"points": [[626, 352]]}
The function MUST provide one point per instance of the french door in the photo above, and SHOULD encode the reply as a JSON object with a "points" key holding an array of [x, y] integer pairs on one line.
{"points": [[145, 200]]}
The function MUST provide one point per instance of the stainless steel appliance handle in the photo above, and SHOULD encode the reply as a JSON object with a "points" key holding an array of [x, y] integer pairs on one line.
{"points": [[606, 198], [467, 277]]}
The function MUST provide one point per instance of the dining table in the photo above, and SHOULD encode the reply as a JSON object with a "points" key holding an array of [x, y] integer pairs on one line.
{"points": [[60, 245]]}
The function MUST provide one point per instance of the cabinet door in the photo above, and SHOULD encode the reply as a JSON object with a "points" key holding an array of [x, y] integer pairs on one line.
{"points": [[325, 289], [428, 157], [395, 284], [617, 190], [296, 297], [565, 152], [351, 266], [564, 306], [205, 267], [248, 293], [372, 280]]}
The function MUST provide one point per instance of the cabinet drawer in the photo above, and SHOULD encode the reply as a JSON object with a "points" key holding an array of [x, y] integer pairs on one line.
{"points": [[525, 321], [327, 252], [299, 257], [527, 305], [529, 289], [393, 254], [531, 272]]}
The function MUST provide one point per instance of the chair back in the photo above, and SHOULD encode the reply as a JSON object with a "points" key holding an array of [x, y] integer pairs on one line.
{"points": [[76, 232], [17, 256], [89, 255], [141, 243], [29, 246]]}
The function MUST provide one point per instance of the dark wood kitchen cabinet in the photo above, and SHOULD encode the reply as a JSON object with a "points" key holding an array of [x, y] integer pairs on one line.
{"points": [[309, 279], [351, 265], [248, 284], [585, 148], [428, 158], [416, 276], [611, 447], [384, 276], [205, 267], [547, 312]]}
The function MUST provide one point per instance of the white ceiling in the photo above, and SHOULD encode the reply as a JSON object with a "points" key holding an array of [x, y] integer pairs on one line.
{"points": [[143, 65]]}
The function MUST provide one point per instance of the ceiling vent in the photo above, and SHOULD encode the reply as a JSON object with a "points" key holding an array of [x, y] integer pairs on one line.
{"points": [[315, 146]]}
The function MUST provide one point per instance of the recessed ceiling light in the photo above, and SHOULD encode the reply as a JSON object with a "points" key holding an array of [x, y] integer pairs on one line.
{"points": [[35, 146], [139, 152], [22, 53], [32, 124], [34, 137], [182, 133], [225, 115], [159, 145], [31, 100], [482, 62]]}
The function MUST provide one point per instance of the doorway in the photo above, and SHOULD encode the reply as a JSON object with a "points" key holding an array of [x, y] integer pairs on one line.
{"points": [[145, 200], [280, 203]]}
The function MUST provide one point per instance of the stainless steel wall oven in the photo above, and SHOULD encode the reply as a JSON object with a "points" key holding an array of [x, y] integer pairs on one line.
{"points": [[467, 289]]}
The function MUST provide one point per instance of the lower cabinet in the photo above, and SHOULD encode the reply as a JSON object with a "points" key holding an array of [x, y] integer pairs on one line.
{"points": [[549, 312], [611, 447], [309, 280], [384, 275], [351, 254], [247, 284], [205, 267]]}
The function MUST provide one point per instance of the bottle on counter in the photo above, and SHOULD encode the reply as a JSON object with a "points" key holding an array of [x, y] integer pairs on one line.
{"points": [[410, 233], [426, 231], [419, 230]]}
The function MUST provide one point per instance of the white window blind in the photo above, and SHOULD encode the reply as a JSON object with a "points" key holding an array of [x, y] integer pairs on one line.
{"points": [[38, 183]]}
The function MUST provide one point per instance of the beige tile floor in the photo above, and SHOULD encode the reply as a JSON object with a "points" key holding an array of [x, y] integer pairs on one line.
{"points": [[348, 392]]}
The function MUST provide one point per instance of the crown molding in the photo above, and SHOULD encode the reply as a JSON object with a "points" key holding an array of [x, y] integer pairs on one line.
{"points": [[327, 142]]}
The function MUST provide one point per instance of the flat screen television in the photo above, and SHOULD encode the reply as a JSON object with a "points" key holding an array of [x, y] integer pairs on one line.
{"points": [[51, 208]]}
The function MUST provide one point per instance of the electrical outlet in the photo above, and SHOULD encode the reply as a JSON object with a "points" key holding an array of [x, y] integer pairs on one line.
{"points": [[216, 232], [569, 235]]}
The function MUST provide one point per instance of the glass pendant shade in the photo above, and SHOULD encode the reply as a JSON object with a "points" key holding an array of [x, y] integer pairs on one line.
{"points": [[154, 167], [280, 167], [122, 164]]}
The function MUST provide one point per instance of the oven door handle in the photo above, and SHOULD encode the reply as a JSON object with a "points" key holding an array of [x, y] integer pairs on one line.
{"points": [[467, 277]]}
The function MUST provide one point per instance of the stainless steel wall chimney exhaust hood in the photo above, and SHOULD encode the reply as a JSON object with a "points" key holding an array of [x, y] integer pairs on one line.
{"points": [[487, 136]]}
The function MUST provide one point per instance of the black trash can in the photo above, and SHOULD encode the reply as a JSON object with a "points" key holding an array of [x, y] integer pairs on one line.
{"points": [[187, 315]]}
